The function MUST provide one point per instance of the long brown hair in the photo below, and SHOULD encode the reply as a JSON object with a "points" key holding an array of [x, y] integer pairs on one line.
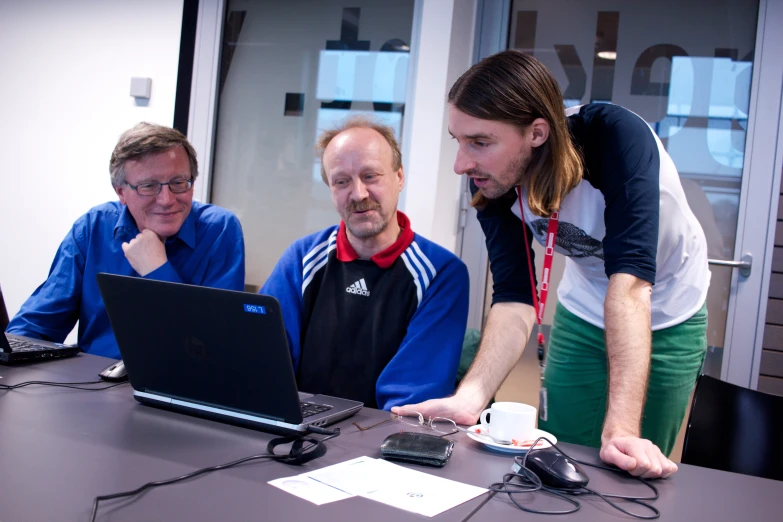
{"points": [[515, 88]]}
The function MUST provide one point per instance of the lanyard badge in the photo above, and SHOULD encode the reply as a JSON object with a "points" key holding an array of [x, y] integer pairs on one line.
{"points": [[540, 304]]}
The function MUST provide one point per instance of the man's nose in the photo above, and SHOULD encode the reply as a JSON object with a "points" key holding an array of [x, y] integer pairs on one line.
{"points": [[359, 191], [463, 163], [165, 196]]}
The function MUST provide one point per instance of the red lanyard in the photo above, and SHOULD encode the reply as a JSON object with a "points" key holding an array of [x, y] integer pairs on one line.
{"points": [[549, 254]]}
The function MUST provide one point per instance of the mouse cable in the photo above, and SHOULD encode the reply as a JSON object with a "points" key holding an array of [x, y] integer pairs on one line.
{"points": [[72, 385], [303, 449], [524, 480]]}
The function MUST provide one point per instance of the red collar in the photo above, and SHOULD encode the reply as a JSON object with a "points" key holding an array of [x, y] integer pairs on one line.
{"points": [[384, 259]]}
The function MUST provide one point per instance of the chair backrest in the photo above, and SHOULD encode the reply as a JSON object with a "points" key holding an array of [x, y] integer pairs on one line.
{"points": [[732, 428], [3, 312]]}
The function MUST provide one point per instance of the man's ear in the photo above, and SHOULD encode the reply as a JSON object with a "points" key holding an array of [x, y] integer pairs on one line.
{"points": [[121, 193], [400, 179], [540, 132]]}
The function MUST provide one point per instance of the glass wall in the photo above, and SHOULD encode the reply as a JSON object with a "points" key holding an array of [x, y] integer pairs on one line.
{"points": [[288, 71], [685, 67]]}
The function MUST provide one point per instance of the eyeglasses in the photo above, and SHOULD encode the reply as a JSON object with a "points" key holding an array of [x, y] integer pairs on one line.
{"points": [[153, 188], [441, 425]]}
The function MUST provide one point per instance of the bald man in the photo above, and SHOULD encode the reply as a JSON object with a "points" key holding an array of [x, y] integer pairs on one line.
{"points": [[374, 312]]}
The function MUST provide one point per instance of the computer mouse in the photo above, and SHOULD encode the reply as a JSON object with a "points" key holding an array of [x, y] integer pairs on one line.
{"points": [[555, 469], [115, 372]]}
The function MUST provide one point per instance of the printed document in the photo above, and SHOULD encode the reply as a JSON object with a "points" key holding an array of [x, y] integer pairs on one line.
{"points": [[382, 481]]}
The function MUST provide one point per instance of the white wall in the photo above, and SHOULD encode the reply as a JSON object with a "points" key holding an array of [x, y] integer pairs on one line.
{"points": [[66, 69]]}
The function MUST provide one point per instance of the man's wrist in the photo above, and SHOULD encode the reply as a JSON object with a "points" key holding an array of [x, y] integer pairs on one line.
{"points": [[612, 430], [473, 398], [147, 268]]}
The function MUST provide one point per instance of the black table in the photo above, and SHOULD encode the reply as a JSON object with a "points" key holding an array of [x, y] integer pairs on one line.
{"points": [[60, 448]]}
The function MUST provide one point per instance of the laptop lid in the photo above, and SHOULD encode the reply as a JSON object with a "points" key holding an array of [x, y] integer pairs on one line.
{"points": [[3, 313], [216, 348]]}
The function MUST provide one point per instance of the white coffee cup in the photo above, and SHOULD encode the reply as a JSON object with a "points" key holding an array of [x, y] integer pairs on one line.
{"points": [[509, 421]]}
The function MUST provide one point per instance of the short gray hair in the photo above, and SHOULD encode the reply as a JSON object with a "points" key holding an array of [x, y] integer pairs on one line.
{"points": [[144, 140], [359, 122]]}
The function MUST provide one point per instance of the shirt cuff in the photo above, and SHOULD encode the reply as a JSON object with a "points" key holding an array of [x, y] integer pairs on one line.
{"points": [[165, 272]]}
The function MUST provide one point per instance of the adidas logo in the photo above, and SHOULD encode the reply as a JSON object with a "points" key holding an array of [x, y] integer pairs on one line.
{"points": [[358, 288]]}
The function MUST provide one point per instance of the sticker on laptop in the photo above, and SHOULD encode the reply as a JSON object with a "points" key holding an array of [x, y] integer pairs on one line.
{"points": [[255, 309]]}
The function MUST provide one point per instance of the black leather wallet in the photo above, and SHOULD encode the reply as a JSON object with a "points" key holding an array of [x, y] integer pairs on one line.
{"points": [[420, 448]]}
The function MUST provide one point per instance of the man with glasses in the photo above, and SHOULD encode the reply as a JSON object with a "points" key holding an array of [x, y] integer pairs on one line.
{"points": [[154, 231]]}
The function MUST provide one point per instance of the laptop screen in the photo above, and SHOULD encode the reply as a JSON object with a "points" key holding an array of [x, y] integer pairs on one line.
{"points": [[204, 345], [3, 312]]}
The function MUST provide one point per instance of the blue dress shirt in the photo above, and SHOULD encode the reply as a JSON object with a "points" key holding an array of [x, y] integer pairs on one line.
{"points": [[208, 250]]}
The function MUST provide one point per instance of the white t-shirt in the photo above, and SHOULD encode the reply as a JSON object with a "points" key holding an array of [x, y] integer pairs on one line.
{"points": [[629, 215]]}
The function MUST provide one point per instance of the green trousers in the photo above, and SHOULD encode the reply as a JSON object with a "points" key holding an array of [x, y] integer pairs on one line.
{"points": [[576, 379]]}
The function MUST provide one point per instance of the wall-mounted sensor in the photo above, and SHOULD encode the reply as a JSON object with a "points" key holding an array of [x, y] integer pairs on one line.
{"points": [[141, 87]]}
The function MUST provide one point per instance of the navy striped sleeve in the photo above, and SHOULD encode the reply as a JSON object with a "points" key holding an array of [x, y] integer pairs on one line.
{"points": [[506, 249], [622, 161]]}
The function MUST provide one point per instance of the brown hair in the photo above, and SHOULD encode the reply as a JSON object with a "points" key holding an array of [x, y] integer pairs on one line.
{"points": [[359, 122], [515, 88], [143, 140]]}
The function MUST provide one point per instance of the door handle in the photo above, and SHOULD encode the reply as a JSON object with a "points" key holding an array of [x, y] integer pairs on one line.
{"points": [[744, 264]]}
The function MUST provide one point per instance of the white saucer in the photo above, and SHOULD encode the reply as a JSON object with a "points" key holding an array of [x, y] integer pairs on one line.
{"points": [[509, 448]]}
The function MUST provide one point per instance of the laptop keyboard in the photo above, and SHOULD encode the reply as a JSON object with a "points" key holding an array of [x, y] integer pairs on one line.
{"points": [[19, 345], [309, 409]]}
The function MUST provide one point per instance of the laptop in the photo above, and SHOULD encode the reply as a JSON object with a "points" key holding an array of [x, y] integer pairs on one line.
{"points": [[213, 353], [17, 348]]}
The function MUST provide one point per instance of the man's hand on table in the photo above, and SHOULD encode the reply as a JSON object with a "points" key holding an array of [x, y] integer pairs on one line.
{"points": [[457, 408], [639, 457]]}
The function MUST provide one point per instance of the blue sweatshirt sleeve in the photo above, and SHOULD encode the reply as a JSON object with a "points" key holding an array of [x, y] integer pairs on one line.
{"points": [[425, 366], [285, 284], [51, 312]]}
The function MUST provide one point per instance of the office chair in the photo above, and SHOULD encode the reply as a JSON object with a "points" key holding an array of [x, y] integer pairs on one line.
{"points": [[3, 312], [735, 429]]}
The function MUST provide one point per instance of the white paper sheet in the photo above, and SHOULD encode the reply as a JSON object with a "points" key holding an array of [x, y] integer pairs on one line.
{"points": [[304, 487], [382, 481]]}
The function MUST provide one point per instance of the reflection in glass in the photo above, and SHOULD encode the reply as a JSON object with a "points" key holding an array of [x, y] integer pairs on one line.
{"points": [[288, 71]]}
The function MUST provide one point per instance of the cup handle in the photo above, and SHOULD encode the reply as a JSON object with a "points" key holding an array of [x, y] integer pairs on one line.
{"points": [[483, 418]]}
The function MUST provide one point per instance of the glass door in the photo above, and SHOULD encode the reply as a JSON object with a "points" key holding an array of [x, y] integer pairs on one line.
{"points": [[289, 70], [692, 71]]}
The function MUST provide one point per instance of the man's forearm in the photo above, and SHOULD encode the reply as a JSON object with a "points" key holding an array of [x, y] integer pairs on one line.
{"points": [[502, 342], [628, 349]]}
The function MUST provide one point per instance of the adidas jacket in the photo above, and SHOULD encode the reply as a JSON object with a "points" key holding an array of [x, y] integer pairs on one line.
{"points": [[386, 331]]}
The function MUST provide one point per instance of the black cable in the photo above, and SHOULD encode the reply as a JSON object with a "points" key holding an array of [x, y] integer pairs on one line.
{"points": [[72, 385], [298, 450], [323, 431], [481, 505], [528, 482]]}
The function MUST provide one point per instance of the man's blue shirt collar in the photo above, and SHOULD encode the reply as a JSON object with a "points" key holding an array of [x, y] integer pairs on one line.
{"points": [[127, 223]]}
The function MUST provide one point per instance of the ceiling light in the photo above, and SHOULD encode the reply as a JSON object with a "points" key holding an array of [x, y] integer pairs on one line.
{"points": [[607, 55]]}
